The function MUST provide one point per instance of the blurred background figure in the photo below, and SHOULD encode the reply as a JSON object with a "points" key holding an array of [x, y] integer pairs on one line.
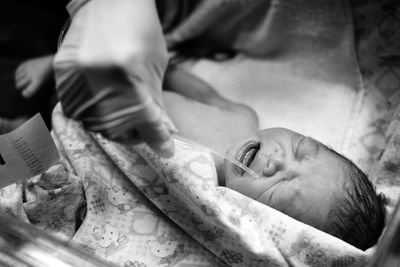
{"points": [[28, 34]]}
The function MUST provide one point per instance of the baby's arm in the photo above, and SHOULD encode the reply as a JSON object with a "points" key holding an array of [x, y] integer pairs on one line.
{"points": [[202, 114], [184, 83]]}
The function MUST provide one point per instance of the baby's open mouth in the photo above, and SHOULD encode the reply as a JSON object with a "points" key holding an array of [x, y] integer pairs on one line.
{"points": [[246, 155]]}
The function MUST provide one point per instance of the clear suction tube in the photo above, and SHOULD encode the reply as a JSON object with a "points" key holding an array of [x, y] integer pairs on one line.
{"points": [[225, 156], [22, 244]]}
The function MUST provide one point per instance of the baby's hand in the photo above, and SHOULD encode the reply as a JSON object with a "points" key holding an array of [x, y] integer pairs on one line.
{"points": [[33, 74]]}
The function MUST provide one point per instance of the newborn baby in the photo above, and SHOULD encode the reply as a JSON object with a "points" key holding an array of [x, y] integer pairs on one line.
{"points": [[298, 175]]}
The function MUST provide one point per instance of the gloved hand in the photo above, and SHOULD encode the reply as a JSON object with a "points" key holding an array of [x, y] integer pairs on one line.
{"points": [[109, 71]]}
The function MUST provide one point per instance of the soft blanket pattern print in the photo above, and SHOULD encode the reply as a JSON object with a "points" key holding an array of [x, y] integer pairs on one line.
{"points": [[143, 210]]}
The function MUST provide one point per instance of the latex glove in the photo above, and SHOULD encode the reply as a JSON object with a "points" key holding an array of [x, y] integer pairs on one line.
{"points": [[109, 72]]}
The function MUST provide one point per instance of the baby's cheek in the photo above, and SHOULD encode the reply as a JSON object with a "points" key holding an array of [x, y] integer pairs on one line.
{"points": [[246, 187], [285, 200]]}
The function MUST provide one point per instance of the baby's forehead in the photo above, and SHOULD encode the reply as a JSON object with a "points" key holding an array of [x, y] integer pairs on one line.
{"points": [[334, 155], [333, 164]]}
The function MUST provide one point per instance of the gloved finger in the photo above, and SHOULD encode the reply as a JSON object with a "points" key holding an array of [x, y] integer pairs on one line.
{"points": [[131, 138], [159, 138]]}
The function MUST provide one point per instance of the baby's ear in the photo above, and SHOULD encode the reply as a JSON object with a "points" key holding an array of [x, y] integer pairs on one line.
{"points": [[384, 205], [383, 200]]}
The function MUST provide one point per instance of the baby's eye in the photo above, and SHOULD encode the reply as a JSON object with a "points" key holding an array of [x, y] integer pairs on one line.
{"points": [[305, 149]]}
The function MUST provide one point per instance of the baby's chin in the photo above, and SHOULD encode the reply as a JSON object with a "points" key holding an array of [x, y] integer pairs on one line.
{"points": [[229, 170]]}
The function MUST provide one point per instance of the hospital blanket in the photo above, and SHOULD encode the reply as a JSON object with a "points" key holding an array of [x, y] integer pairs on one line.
{"points": [[143, 210], [146, 211], [386, 174], [50, 201]]}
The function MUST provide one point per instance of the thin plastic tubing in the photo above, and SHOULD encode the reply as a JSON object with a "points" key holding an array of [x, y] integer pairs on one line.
{"points": [[225, 156]]}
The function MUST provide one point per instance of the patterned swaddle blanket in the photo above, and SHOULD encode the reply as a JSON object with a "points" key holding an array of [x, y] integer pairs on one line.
{"points": [[143, 210]]}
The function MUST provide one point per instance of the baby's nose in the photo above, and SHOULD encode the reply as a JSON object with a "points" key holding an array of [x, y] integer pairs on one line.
{"points": [[273, 166]]}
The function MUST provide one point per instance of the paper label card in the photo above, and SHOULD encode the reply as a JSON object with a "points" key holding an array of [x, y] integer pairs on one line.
{"points": [[27, 151]]}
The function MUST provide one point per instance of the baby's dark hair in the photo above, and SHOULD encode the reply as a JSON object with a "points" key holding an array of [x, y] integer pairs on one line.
{"points": [[359, 217]]}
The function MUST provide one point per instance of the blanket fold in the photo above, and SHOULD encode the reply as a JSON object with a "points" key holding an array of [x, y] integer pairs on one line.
{"points": [[50, 201]]}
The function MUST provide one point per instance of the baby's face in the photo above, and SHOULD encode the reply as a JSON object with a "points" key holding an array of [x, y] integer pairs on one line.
{"points": [[297, 175]]}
